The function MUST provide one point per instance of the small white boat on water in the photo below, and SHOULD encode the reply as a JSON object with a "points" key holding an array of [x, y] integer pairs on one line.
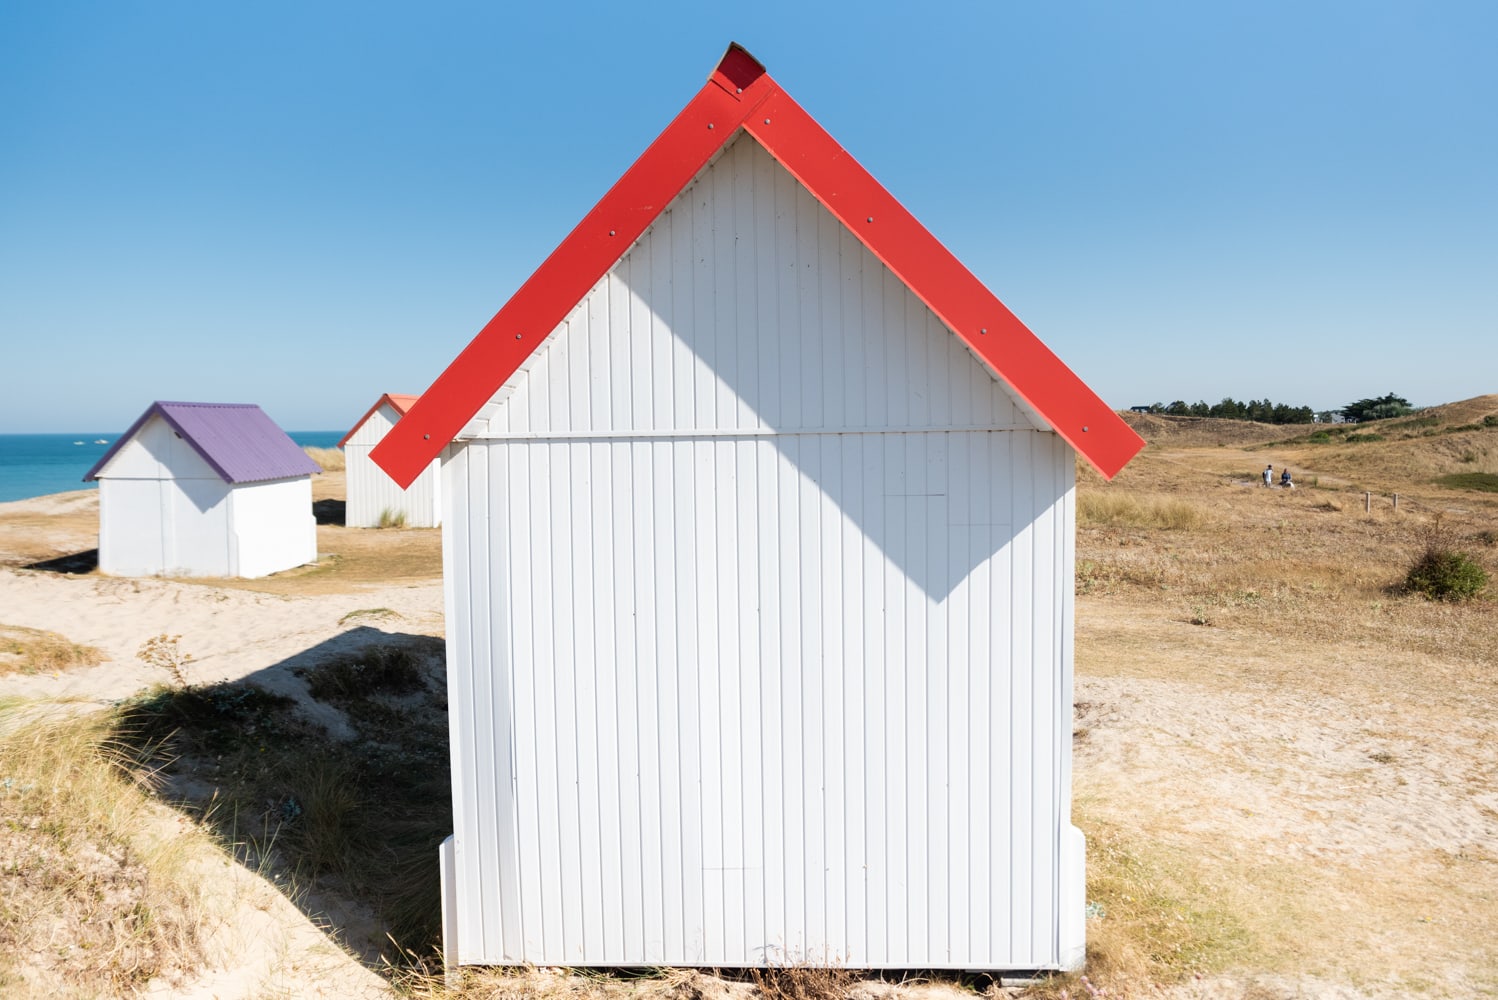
{"points": [[100, 441], [77, 442]]}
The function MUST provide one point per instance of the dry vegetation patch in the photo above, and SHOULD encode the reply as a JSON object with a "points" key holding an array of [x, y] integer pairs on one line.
{"points": [[36, 651], [1280, 745], [97, 891], [1117, 509], [1205, 432], [358, 817], [47, 527], [328, 459]]}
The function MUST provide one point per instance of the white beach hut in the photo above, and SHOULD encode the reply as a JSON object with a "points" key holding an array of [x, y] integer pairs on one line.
{"points": [[758, 548], [372, 495], [204, 489]]}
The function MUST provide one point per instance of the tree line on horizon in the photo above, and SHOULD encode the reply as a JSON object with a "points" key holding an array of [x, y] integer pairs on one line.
{"points": [[1265, 411]]}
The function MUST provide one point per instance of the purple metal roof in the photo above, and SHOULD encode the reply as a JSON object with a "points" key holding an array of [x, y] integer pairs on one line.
{"points": [[237, 440]]}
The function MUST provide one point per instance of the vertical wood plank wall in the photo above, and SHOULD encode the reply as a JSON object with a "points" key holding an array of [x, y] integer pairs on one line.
{"points": [[370, 492], [759, 620]]}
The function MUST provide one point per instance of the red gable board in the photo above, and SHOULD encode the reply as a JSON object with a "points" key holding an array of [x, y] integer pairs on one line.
{"points": [[740, 94]]}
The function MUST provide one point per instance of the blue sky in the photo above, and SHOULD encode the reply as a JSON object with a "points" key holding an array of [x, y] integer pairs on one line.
{"points": [[305, 205]]}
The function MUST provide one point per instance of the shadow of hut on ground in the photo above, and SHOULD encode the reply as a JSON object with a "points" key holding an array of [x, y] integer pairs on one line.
{"points": [[330, 512], [327, 771], [72, 564]]}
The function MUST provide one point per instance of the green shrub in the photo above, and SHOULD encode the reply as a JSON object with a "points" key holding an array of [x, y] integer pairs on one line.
{"points": [[1416, 422], [1491, 420], [1486, 482], [1320, 437], [1363, 437], [392, 669], [1446, 576], [1441, 571]]}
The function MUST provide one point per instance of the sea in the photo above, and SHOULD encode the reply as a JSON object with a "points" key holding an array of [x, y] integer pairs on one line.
{"points": [[34, 465]]}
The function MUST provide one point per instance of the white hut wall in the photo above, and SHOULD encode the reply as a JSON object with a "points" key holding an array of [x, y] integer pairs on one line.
{"points": [[760, 621], [162, 509], [274, 528], [372, 493]]}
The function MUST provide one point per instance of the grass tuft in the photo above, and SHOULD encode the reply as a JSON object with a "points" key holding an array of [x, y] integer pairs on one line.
{"points": [[804, 981], [372, 613], [396, 669], [97, 890], [391, 519], [35, 651]]}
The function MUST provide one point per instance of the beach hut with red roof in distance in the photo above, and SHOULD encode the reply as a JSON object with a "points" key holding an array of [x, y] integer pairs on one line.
{"points": [[759, 537], [204, 489], [374, 499]]}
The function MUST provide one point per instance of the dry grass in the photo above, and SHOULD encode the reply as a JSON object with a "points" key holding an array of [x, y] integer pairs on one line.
{"points": [[1128, 510], [359, 816], [524, 983], [1412, 452], [97, 883], [47, 527], [34, 651], [330, 459], [1205, 432]]}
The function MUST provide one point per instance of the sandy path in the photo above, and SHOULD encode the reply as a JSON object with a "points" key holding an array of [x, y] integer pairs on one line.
{"points": [[231, 634], [1326, 810]]}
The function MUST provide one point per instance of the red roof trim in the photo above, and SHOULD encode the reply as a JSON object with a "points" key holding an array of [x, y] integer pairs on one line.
{"points": [[941, 281], [402, 402], [741, 94]]}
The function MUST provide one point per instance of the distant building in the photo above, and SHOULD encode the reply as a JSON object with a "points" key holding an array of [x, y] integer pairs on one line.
{"points": [[204, 489], [374, 496], [1141, 409]]}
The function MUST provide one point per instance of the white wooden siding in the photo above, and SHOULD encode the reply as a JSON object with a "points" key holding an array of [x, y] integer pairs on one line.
{"points": [[703, 715], [759, 614], [370, 492], [273, 526]]}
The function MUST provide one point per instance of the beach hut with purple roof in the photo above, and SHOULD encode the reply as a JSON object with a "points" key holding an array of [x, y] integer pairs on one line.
{"points": [[204, 489]]}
